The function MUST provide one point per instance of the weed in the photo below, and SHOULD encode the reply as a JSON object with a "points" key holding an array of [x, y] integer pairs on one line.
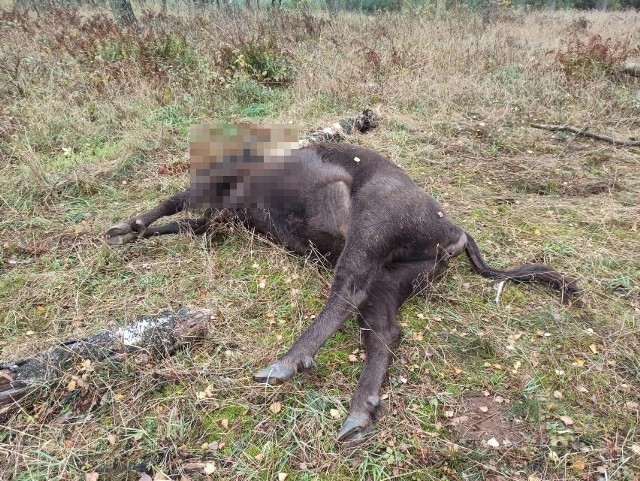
{"points": [[594, 56]]}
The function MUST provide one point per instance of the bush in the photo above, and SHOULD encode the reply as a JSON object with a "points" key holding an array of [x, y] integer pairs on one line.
{"points": [[595, 56]]}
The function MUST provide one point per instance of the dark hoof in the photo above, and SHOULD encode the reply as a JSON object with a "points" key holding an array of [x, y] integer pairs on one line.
{"points": [[275, 374], [355, 428], [123, 232]]}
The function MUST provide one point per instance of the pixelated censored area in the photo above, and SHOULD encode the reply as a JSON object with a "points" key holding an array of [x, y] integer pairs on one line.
{"points": [[244, 166]]}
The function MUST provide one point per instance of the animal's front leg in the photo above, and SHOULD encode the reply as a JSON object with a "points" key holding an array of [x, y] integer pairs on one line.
{"points": [[129, 230], [352, 279]]}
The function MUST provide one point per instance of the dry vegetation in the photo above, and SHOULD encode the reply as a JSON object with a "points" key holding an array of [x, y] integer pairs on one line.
{"points": [[93, 128]]}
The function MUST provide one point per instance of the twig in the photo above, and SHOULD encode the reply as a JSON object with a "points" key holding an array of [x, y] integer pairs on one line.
{"points": [[499, 294], [583, 132]]}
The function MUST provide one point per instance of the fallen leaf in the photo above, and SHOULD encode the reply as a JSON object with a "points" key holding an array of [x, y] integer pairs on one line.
{"points": [[282, 476], [86, 366], [631, 406], [335, 414], [567, 420], [635, 448], [259, 457], [224, 423], [448, 414], [275, 408], [91, 476], [353, 358], [111, 439], [593, 348], [484, 409], [493, 442], [71, 386], [418, 336], [579, 362], [579, 464], [459, 420], [557, 394], [209, 468]]}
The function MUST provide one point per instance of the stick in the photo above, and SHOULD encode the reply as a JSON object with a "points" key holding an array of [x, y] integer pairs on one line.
{"points": [[159, 335], [583, 132]]}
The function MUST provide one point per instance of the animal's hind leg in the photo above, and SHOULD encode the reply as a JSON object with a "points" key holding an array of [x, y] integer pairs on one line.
{"points": [[129, 230], [354, 273], [377, 318]]}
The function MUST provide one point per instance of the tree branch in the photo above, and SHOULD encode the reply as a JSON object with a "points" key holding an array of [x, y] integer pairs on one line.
{"points": [[584, 133], [160, 335]]}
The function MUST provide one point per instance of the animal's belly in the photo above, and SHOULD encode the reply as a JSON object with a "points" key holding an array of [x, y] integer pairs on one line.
{"points": [[293, 230]]}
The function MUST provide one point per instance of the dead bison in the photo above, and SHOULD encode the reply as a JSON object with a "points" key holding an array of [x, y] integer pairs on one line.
{"points": [[384, 236]]}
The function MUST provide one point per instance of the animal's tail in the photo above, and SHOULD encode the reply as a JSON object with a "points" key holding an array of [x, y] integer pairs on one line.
{"points": [[525, 273]]}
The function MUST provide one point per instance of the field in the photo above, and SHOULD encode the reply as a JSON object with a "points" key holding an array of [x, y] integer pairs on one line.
{"points": [[94, 128]]}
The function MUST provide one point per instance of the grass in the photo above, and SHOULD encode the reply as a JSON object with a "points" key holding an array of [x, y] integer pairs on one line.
{"points": [[88, 125]]}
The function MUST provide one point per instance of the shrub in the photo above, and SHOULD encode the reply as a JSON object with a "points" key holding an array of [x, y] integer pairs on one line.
{"points": [[595, 56]]}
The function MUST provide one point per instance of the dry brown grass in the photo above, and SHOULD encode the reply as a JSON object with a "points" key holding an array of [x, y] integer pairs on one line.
{"points": [[85, 141]]}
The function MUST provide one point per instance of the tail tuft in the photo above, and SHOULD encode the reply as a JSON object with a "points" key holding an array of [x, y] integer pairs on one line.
{"points": [[526, 273]]}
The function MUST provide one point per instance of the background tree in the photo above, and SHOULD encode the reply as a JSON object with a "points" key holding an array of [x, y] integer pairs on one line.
{"points": [[123, 13]]}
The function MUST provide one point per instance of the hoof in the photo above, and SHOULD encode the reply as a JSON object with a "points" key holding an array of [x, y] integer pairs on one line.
{"points": [[355, 428], [275, 374], [121, 233]]}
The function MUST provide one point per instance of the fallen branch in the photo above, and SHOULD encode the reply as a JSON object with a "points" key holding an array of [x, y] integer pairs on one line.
{"points": [[584, 133], [632, 69], [159, 335], [364, 122]]}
